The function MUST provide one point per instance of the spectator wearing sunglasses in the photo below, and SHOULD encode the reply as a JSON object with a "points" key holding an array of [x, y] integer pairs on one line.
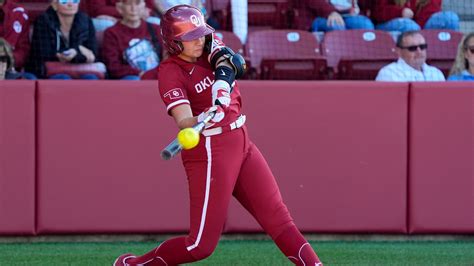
{"points": [[463, 67], [411, 64], [14, 28], [410, 15], [64, 34]]}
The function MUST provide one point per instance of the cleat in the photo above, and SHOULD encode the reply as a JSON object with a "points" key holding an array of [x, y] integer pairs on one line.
{"points": [[122, 260]]}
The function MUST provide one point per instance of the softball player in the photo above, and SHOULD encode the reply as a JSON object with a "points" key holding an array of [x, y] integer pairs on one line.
{"points": [[197, 79]]}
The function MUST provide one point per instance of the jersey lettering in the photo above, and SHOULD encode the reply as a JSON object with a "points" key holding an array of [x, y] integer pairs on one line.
{"points": [[203, 84]]}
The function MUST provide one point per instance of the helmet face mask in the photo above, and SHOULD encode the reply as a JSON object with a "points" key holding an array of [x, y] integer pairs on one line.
{"points": [[182, 23]]}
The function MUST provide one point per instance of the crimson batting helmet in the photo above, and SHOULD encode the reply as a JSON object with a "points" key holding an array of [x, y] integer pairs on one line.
{"points": [[182, 23]]}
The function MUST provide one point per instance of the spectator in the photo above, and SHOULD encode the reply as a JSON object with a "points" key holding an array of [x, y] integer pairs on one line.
{"points": [[62, 33], [7, 61], [411, 64], [105, 13], [338, 15], [412, 15], [14, 28], [463, 68], [131, 47]]}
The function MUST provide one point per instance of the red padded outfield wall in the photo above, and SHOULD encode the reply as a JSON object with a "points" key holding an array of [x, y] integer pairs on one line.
{"points": [[17, 157], [337, 149], [99, 166], [441, 188]]}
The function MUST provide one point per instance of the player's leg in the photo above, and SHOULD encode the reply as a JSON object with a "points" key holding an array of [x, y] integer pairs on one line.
{"points": [[257, 190], [175, 250], [210, 188]]}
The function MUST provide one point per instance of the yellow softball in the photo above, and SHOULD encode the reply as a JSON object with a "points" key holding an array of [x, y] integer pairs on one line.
{"points": [[188, 138]]}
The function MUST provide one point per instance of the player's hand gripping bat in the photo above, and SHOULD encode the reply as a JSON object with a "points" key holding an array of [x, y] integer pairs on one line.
{"points": [[175, 147]]}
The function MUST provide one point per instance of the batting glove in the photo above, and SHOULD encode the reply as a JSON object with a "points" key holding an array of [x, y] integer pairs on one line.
{"points": [[221, 94], [218, 115]]}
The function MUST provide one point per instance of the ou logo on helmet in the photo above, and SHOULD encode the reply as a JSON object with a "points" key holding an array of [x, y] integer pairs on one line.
{"points": [[195, 20]]}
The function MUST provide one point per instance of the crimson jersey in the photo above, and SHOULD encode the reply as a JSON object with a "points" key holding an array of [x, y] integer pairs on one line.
{"points": [[14, 28], [182, 82]]}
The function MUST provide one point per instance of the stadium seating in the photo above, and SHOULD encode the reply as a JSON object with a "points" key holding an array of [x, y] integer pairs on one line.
{"points": [[285, 54], [231, 40], [220, 10], [262, 14], [300, 16], [358, 54], [76, 70], [268, 14], [351, 54], [442, 48]]}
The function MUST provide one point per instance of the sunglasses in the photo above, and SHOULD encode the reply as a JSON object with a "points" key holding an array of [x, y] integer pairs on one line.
{"points": [[414, 48], [63, 2], [470, 49]]}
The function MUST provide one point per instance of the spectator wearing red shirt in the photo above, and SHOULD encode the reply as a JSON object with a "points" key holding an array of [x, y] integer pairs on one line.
{"points": [[132, 47], [14, 28], [105, 12], [409, 15]]}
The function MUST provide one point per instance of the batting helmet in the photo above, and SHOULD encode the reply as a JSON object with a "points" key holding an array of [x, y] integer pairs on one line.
{"points": [[182, 23]]}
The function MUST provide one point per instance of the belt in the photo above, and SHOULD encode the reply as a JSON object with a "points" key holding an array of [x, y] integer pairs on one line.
{"points": [[219, 130]]}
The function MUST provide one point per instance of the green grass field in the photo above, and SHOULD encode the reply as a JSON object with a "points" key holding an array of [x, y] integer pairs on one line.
{"points": [[249, 252]]}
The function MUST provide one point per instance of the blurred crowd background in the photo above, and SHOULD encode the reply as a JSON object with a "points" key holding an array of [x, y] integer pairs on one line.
{"points": [[280, 39]]}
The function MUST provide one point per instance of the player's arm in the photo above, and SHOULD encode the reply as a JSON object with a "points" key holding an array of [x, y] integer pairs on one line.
{"points": [[184, 118], [228, 66], [222, 56]]}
